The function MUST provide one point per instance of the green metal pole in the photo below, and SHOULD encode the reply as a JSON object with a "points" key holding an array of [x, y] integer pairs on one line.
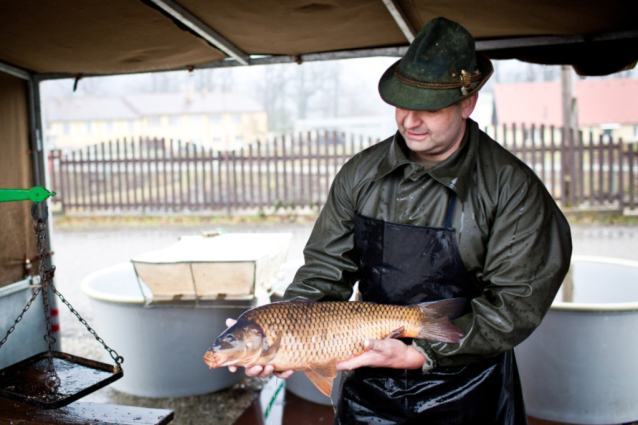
{"points": [[35, 194]]}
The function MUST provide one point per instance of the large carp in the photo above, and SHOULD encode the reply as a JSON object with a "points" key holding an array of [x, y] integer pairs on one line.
{"points": [[313, 337]]}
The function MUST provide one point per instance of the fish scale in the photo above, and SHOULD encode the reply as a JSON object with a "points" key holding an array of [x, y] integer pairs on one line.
{"points": [[313, 337], [304, 320]]}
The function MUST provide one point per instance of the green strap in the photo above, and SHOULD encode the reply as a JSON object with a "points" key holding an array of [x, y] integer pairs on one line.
{"points": [[35, 194]]}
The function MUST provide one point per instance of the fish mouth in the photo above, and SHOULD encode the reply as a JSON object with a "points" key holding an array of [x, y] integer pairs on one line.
{"points": [[209, 359]]}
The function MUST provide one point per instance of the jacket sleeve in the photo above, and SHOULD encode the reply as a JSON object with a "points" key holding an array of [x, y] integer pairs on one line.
{"points": [[526, 259], [329, 272]]}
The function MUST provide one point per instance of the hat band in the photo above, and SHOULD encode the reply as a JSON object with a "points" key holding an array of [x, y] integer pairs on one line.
{"points": [[465, 81]]}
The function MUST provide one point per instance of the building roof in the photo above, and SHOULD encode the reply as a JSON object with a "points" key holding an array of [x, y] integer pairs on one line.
{"points": [[153, 104], [599, 102]]}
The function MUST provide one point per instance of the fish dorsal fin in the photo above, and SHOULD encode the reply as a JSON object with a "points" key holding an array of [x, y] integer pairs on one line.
{"points": [[299, 300], [395, 333], [327, 370], [321, 382], [451, 308]]}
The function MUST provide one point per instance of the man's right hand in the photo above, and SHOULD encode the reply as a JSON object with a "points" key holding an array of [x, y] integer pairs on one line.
{"points": [[258, 370]]}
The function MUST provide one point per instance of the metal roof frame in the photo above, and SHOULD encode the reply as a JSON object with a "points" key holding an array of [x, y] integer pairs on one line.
{"points": [[186, 18]]}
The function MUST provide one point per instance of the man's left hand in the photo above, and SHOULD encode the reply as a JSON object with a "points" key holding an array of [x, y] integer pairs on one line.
{"points": [[390, 353]]}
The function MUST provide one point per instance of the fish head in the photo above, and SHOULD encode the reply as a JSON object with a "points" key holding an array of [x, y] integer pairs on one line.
{"points": [[241, 345]]}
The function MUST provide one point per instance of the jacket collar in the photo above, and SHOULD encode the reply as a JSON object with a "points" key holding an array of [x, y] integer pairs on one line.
{"points": [[454, 173]]}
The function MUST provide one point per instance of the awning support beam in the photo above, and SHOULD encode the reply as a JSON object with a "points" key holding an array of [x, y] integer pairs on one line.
{"points": [[15, 71], [401, 19], [201, 29]]}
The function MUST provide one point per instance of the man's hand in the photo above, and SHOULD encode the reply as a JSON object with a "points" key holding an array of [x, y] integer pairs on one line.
{"points": [[390, 353], [261, 371]]}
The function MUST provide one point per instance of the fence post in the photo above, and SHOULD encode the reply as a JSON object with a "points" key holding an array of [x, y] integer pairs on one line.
{"points": [[630, 159], [621, 189]]}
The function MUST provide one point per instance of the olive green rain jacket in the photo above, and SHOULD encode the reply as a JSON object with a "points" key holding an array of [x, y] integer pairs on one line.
{"points": [[513, 239]]}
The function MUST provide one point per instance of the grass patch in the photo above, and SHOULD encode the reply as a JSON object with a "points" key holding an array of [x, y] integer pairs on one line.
{"points": [[604, 219]]}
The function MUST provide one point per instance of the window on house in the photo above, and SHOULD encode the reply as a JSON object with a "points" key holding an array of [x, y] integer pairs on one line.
{"points": [[175, 121], [195, 120], [236, 118], [110, 127], [66, 128], [215, 119], [217, 139], [154, 122], [239, 139]]}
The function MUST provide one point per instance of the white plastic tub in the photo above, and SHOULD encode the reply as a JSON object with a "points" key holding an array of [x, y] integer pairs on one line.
{"points": [[162, 347], [581, 364]]}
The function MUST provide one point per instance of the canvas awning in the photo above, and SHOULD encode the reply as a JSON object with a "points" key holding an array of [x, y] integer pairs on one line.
{"points": [[69, 37]]}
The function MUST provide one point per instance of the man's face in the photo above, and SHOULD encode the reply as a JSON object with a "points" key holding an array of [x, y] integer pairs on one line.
{"points": [[435, 135]]}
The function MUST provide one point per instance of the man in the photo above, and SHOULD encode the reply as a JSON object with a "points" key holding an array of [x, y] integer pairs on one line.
{"points": [[438, 211]]}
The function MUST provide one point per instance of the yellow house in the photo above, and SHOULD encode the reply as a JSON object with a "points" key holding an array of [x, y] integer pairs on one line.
{"points": [[223, 121]]}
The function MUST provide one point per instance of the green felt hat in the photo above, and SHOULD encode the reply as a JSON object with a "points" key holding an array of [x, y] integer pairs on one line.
{"points": [[440, 68]]}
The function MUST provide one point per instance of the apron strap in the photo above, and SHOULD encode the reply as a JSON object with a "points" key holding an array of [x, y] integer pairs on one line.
{"points": [[450, 211]]}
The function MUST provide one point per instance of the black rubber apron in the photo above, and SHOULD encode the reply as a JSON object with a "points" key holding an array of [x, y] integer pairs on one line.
{"points": [[404, 264]]}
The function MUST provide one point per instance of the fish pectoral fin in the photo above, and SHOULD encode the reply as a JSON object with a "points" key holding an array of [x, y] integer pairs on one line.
{"points": [[324, 384], [271, 351], [327, 370], [395, 333]]}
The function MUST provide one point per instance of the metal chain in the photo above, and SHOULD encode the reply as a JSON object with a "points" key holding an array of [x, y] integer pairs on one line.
{"points": [[116, 357], [36, 291], [46, 279]]}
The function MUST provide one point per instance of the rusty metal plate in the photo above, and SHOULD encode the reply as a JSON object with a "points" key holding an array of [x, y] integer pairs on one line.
{"points": [[25, 381]]}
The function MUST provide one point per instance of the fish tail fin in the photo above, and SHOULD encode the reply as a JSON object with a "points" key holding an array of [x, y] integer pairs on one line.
{"points": [[436, 323]]}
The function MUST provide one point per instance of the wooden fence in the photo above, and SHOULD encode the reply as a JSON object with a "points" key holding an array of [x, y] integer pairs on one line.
{"points": [[154, 175], [157, 175]]}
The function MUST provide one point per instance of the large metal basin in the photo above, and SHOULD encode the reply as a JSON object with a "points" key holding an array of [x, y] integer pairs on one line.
{"points": [[162, 347], [581, 364]]}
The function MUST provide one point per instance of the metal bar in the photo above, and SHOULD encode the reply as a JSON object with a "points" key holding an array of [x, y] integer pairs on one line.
{"points": [[399, 16], [165, 181], [572, 169], [111, 162], [127, 179], [201, 29], [242, 173], [591, 168], [553, 160], [104, 176], [276, 157], [16, 71], [284, 172], [220, 180], [259, 176], [543, 153], [630, 158], [310, 175], [581, 168], [251, 176], [179, 175], [610, 180], [601, 160], [234, 185], [293, 186], [302, 190], [89, 176], [397, 51], [157, 173], [621, 186], [211, 161]]}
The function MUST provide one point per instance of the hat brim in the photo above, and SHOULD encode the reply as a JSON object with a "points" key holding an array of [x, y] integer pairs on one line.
{"points": [[403, 96]]}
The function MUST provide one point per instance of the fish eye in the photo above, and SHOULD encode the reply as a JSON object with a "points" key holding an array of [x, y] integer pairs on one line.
{"points": [[229, 338]]}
